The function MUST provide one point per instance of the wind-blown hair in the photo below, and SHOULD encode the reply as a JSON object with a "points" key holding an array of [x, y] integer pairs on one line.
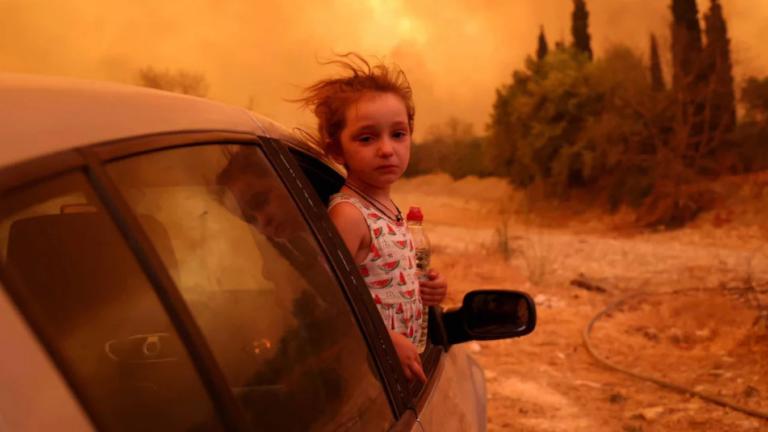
{"points": [[329, 99]]}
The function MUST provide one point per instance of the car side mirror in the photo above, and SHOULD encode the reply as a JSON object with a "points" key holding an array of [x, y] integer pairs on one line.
{"points": [[490, 315]]}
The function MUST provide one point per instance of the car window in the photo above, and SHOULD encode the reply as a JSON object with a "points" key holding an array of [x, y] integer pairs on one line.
{"points": [[71, 272], [255, 280]]}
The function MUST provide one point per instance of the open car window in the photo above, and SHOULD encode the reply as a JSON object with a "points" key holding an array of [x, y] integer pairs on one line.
{"points": [[253, 276]]}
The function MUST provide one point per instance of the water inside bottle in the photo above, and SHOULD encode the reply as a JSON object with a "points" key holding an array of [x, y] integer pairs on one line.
{"points": [[422, 261]]}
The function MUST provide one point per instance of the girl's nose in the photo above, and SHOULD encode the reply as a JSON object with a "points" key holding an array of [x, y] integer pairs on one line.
{"points": [[385, 147]]}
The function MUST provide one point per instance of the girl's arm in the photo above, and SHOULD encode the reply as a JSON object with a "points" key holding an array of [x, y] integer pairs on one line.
{"points": [[409, 357], [353, 229]]}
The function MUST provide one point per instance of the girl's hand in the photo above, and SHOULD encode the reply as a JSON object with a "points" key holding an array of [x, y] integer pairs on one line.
{"points": [[409, 357], [433, 289]]}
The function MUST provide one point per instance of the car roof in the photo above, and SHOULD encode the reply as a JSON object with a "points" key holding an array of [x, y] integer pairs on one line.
{"points": [[43, 115]]}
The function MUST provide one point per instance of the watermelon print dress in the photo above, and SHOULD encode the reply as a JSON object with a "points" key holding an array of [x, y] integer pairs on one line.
{"points": [[389, 270]]}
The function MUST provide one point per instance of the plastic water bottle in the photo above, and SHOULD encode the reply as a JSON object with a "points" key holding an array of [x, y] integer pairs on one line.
{"points": [[423, 252]]}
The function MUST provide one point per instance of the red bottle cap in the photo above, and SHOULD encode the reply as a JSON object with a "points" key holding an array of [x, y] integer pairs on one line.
{"points": [[415, 214]]}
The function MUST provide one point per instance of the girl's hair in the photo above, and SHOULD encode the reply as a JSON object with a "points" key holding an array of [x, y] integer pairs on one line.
{"points": [[329, 99]]}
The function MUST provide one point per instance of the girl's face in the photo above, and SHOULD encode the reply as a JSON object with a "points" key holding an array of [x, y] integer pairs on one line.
{"points": [[376, 140]]}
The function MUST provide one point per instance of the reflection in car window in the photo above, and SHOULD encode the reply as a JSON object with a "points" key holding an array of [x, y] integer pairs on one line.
{"points": [[253, 276], [84, 291]]}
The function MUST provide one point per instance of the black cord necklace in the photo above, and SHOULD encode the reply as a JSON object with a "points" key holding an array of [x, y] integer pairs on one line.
{"points": [[378, 204]]}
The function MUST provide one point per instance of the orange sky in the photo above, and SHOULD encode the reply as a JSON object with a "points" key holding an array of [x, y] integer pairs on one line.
{"points": [[455, 52]]}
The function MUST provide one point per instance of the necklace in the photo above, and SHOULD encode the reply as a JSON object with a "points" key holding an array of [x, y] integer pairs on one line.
{"points": [[378, 204]]}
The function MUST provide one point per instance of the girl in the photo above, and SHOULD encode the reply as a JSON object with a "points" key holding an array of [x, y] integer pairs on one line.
{"points": [[365, 122]]}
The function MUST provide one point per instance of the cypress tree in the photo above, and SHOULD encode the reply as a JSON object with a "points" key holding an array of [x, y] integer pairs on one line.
{"points": [[718, 54], [657, 79], [580, 28], [543, 47], [686, 44], [689, 77]]}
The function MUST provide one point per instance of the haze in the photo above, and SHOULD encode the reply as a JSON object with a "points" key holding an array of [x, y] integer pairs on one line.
{"points": [[257, 54]]}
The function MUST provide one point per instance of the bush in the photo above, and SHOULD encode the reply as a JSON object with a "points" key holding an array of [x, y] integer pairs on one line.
{"points": [[751, 137], [754, 95], [570, 123], [181, 81], [452, 148]]}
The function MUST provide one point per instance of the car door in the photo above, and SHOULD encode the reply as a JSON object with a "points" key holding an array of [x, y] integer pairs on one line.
{"points": [[112, 258], [163, 278], [454, 397]]}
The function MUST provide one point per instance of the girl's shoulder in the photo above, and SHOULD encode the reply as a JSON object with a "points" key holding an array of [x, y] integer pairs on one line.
{"points": [[346, 208], [342, 197]]}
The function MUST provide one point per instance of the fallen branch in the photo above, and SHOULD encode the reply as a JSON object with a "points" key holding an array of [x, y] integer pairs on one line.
{"points": [[583, 282]]}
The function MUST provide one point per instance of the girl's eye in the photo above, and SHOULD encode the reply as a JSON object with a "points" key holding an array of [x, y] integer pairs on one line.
{"points": [[399, 135], [365, 138]]}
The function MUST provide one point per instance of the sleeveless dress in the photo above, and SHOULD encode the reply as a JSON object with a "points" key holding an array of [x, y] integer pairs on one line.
{"points": [[389, 270]]}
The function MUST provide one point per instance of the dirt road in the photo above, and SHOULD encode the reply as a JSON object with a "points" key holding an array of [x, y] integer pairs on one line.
{"points": [[705, 336]]}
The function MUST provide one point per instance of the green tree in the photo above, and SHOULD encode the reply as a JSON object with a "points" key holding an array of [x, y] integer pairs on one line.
{"points": [[689, 76], [538, 116], [569, 127], [565, 124], [543, 47], [580, 28], [686, 43], [501, 140], [657, 78], [721, 97]]}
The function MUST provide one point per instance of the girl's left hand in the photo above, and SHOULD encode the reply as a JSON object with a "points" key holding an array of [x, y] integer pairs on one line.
{"points": [[433, 289]]}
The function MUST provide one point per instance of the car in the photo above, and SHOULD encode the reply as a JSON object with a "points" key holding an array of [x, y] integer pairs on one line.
{"points": [[167, 263]]}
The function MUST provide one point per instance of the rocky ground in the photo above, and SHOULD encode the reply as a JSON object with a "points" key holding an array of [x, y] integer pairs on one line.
{"points": [[692, 317]]}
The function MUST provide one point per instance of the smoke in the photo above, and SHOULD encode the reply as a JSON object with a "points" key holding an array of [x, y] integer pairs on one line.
{"points": [[258, 54]]}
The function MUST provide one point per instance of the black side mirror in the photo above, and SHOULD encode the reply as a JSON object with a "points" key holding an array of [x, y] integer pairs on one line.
{"points": [[490, 315]]}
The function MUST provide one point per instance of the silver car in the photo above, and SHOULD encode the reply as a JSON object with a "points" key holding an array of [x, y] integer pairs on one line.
{"points": [[167, 264]]}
